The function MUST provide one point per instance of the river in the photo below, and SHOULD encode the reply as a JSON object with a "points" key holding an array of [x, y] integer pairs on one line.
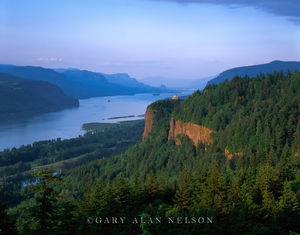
{"points": [[67, 123]]}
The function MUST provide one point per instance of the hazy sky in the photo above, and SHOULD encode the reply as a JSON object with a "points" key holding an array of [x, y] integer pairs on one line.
{"points": [[171, 38]]}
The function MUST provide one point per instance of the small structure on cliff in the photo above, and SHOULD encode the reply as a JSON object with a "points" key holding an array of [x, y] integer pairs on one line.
{"points": [[175, 97]]}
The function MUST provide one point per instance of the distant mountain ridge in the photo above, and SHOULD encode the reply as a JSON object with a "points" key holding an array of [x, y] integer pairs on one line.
{"points": [[98, 84], [82, 84], [125, 80], [254, 70], [24, 98], [177, 82]]}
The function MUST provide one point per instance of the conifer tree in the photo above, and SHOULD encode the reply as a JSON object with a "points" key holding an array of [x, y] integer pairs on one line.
{"points": [[183, 197], [286, 167], [151, 186], [138, 191], [214, 190], [44, 213], [7, 226], [289, 208], [121, 191], [98, 199], [288, 201]]}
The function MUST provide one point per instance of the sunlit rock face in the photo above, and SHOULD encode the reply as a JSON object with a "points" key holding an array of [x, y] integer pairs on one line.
{"points": [[230, 155], [149, 115], [195, 132]]}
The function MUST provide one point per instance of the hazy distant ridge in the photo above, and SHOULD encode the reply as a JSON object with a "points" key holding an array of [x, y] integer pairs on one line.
{"points": [[82, 84], [253, 70], [23, 98]]}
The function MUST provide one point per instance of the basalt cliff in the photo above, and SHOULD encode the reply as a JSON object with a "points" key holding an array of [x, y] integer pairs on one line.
{"points": [[196, 133], [149, 115]]}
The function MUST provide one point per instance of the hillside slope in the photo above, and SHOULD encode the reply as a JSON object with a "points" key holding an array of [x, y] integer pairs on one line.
{"points": [[23, 98], [255, 120], [97, 84], [222, 161], [82, 84], [253, 71], [231, 152]]}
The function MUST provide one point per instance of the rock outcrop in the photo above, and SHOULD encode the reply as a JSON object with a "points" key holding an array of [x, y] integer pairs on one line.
{"points": [[194, 131], [149, 115], [230, 155]]}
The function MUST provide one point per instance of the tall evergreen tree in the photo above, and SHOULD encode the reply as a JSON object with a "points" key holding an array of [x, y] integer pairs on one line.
{"points": [[183, 197]]}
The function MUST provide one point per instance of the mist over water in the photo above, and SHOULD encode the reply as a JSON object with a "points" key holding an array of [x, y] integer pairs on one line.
{"points": [[67, 123]]}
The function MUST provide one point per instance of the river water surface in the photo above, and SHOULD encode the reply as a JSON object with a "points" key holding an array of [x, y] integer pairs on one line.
{"points": [[67, 123]]}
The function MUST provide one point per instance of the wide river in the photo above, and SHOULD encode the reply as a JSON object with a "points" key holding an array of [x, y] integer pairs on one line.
{"points": [[67, 123]]}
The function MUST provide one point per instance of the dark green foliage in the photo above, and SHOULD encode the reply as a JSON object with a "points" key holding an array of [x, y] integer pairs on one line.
{"points": [[54, 150], [65, 155], [183, 196], [43, 214], [7, 225], [249, 116], [257, 192], [248, 112]]}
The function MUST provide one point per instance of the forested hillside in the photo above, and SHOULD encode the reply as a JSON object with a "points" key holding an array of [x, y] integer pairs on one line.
{"points": [[23, 98], [17, 164], [256, 191]]}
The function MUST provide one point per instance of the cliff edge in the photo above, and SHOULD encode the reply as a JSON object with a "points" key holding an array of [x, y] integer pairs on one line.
{"points": [[195, 132], [149, 115]]}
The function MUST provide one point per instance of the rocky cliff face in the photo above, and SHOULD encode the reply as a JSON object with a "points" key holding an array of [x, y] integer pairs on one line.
{"points": [[230, 155], [149, 115], [195, 132]]}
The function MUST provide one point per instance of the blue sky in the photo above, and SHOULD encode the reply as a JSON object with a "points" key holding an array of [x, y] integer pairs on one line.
{"points": [[172, 38]]}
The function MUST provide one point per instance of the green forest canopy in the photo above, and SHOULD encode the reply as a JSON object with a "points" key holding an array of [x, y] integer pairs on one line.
{"points": [[256, 193]]}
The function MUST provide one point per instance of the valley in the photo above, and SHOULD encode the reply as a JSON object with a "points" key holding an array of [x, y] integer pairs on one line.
{"points": [[200, 155]]}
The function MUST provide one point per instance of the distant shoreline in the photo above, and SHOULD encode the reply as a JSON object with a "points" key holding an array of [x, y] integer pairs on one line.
{"points": [[93, 127], [129, 116]]}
